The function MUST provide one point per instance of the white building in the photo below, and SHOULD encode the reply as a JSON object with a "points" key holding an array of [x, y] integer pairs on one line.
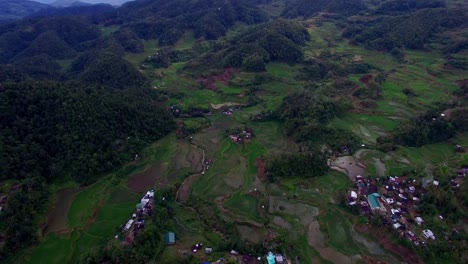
{"points": [[419, 220], [128, 225], [428, 234], [144, 201]]}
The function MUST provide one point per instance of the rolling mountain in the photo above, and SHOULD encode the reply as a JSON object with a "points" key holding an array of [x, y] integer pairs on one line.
{"points": [[75, 10], [167, 20], [16, 9], [67, 3], [63, 2]]}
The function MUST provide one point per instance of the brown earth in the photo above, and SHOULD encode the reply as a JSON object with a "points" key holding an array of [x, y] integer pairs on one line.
{"points": [[58, 215], [371, 260], [366, 79], [93, 217], [180, 129], [145, 180], [224, 77], [183, 193], [64, 231], [385, 241], [260, 164], [129, 239]]}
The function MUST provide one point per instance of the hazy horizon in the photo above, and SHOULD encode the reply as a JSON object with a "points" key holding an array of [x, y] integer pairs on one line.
{"points": [[112, 2]]}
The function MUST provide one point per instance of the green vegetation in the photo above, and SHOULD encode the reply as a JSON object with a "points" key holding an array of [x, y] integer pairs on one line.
{"points": [[327, 89], [393, 31], [207, 19], [306, 9], [51, 131]]}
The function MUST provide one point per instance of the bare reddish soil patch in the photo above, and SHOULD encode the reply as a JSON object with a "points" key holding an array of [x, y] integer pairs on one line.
{"points": [[145, 180], [180, 129], [93, 217], [64, 231], [224, 77], [384, 240], [260, 164], [366, 79]]}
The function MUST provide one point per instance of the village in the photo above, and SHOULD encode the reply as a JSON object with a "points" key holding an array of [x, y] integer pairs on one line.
{"points": [[145, 207], [395, 201]]}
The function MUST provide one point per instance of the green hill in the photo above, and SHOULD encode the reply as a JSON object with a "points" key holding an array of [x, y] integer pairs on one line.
{"points": [[16, 9]]}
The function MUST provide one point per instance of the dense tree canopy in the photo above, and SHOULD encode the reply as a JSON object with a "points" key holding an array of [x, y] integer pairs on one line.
{"points": [[56, 37], [279, 40], [51, 130], [394, 7], [306, 114], [306, 165], [426, 129], [411, 31], [107, 68], [166, 20], [306, 8]]}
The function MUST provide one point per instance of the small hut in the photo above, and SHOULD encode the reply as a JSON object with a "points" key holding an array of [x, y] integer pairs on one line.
{"points": [[169, 238]]}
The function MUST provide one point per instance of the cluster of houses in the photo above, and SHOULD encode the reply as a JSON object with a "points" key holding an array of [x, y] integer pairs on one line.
{"points": [[228, 112], [461, 174], [240, 135], [270, 258], [393, 198], [275, 258], [206, 166], [144, 207]]}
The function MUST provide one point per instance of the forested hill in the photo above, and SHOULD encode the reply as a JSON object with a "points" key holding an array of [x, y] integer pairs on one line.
{"points": [[307, 8], [74, 10], [16, 9], [166, 20], [411, 31], [279, 40], [53, 130], [71, 109]]}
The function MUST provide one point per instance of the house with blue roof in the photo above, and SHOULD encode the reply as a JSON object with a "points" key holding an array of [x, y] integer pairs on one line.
{"points": [[271, 258], [373, 200]]}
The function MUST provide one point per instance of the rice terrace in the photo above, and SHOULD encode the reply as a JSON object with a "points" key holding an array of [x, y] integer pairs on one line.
{"points": [[304, 132]]}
